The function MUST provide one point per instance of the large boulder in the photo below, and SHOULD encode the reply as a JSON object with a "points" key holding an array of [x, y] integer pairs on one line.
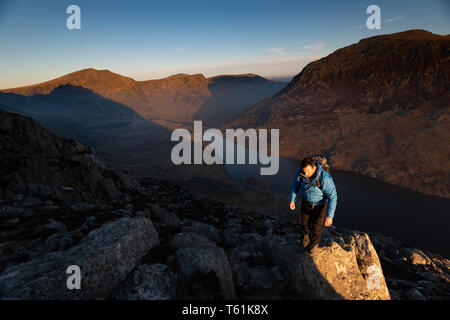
{"points": [[190, 239], [205, 272], [345, 266], [206, 230], [168, 218], [105, 257], [149, 282]]}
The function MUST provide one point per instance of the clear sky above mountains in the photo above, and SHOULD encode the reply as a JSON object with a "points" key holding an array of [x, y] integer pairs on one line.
{"points": [[154, 39]]}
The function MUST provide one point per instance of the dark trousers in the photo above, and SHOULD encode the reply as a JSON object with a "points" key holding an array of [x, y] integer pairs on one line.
{"points": [[313, 220]]}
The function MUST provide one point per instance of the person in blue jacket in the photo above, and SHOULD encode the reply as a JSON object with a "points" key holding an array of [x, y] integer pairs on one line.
{"points": [[319, 199]]}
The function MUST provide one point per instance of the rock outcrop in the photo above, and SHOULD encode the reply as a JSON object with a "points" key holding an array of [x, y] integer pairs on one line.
{"points": [[344, 267], [105, 256], [34, 161], [411, 273], [148, 282], [206, 268]]}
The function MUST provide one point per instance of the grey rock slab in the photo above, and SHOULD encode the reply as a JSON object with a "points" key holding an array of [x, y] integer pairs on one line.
{"points": [[105, 256]]}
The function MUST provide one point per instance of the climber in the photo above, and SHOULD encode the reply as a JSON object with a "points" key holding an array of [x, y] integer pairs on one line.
{"points": [[318, 199]]}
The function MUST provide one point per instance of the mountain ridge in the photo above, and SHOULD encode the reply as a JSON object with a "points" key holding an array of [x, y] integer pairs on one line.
{"points": [[96, 73], [171, 101]]}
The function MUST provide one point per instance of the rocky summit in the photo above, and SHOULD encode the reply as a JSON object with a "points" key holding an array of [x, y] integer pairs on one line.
{"points": [[147, 238]]}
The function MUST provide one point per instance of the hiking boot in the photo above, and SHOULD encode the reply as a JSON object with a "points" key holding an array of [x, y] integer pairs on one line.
{"points": [[305, 241]]}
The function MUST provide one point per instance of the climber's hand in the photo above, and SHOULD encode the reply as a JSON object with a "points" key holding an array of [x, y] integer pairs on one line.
{"points": [[328, 221], [292, 205]]}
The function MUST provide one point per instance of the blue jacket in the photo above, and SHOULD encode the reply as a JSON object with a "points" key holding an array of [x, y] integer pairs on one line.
{"points": [[312, 193]]}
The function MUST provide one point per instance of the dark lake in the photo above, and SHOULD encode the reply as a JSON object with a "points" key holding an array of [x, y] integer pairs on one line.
{"points": [[370, 205]]}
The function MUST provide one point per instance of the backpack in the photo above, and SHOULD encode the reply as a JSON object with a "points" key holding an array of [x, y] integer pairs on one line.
{"points": [[323, 162]]}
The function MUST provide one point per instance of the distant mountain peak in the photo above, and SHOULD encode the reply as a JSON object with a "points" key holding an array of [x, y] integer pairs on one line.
{"points": [[91, 72], [414, 34], [243, 75], [185, 75]]}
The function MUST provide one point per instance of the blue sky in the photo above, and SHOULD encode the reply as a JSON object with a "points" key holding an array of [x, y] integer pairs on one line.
{"points": [[154, 39]]}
